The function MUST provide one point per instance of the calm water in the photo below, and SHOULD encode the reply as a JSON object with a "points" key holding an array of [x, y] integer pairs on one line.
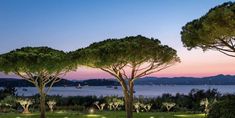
{"points": [[145, 90]]}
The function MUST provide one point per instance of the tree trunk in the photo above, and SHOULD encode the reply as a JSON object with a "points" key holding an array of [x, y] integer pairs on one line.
{"points": [[131, 97], [51, 108], [42, 105], [128, 107], [128, 95], [126, 102], [26, 110]]}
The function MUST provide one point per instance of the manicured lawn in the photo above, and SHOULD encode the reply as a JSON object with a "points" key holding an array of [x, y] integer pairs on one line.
{"points": [[105, 115]]}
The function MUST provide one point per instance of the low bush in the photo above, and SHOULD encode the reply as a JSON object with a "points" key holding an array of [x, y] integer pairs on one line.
{"points": [[223, 109]]}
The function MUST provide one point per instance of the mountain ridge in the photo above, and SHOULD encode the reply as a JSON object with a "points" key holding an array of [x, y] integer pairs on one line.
{"points": [[211, 80]]}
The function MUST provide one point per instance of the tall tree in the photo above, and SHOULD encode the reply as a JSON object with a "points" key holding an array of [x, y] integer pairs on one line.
{"points": [[41, 66], [214, 30], [127, 59]]}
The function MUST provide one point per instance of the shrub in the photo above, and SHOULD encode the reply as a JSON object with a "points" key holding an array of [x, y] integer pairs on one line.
{"points": [[223, 109], [8, 104]]}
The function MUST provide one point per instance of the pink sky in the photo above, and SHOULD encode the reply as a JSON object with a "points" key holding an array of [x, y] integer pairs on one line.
{"points": [[194, 63]]}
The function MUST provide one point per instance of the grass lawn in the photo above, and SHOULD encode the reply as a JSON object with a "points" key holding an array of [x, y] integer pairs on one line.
{"points": [[104, 115]]}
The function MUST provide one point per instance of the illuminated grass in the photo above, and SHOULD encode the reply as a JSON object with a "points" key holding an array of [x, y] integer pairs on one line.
{"points": [[104, 114], [93, 116], [190, 115]]}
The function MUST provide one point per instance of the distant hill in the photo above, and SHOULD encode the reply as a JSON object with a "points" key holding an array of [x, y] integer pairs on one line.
{"points": [[212, 80], [93, 82]]}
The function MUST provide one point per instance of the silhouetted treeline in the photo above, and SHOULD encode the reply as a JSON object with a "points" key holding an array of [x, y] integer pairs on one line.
{"points": [[4, 82]]}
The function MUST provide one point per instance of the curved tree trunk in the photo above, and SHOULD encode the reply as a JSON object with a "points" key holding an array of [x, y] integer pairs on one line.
{"points": [[51, 109], [26, 109]]}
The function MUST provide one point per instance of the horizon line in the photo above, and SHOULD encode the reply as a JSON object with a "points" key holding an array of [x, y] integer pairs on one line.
{"points": [[140, 78]]}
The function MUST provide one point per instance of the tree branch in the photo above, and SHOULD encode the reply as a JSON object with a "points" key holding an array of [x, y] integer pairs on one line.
{"points": [[226, 43], [24, 77], [226, 53]]}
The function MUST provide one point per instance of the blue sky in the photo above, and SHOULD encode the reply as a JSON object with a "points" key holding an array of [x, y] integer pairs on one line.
{"points": [[71, 24]]}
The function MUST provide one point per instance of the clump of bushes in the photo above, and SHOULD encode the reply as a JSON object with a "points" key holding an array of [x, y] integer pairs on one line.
{"points": [[197, 101], [8, 104], [223, 109]]}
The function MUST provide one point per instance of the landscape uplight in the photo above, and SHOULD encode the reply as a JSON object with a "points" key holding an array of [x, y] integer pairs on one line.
{"points": [[91, 111]]}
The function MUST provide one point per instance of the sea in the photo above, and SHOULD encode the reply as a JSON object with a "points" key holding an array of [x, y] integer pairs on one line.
{"points": [[140, 90]]}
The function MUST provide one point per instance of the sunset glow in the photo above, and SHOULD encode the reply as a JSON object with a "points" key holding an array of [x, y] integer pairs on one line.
{"points": [[201, 64]]}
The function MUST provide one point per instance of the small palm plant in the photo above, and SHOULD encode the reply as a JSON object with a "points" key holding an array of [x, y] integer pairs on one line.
{"points": [[102, 106], [137, 106], [168, 105], [51, 104], [147, 107], [114, 103], [99, 106], [110, 106], [205, 103], [117, 103], [25, 103]]}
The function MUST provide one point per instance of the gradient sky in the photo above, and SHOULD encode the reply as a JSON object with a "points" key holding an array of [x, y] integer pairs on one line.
{"points": [[71, 24]]}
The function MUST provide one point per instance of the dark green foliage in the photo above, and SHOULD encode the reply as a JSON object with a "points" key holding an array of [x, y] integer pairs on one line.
{"points": [[8, 104], [197, 95], [223, 109], [214, 30], [34, 60], [71, 103], [7, 99], [7, 91], [131, 49], [190, 102]]}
